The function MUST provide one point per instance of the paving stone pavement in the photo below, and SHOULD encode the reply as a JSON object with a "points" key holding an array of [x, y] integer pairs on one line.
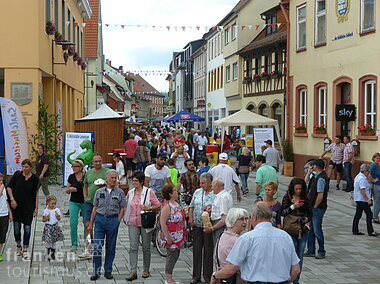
{"points": [[349, 259]]}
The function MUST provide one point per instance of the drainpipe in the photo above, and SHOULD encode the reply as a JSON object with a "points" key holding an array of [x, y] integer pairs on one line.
{"points": [[287, 89]]}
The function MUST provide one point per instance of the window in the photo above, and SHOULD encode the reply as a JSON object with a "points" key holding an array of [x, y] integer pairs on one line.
{"points": [[221, 76], [301, 27], [278, 61], [212, 49], [320, 22], [226, 36], [268, 64], [63, 18], [248, 66], [370, 102], [322, 105], [235, 71], [367, 15], [228, 73], [258, 65], [56, 10], [233, 31], [69, 25], [47, 10], [303, 106], [271, 24]]}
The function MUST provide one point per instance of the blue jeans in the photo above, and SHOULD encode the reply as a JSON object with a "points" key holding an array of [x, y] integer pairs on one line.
{"points": [[376, 201], [244, 184], [105, 228], [141, 166], [316, 232], [17, 233], [299, 245], [347, 167]]}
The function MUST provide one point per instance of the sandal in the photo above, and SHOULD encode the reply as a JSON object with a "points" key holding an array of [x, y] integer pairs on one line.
{"points": [[19, 251], [25, 255]]}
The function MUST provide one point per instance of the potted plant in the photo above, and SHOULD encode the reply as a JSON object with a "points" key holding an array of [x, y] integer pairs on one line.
{"points": [[300, 128], [275, 74], [83, 66], [65, 47], [289, 158], [367, 130], [50, 28], [320, 129], [264, 75], [256, 78], [71, 51], [247, 79], [75, 56], [79, 61], [58, 37]]}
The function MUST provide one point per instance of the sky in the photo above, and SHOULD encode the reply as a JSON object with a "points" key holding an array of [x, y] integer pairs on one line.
{"points": [[145, 48]]}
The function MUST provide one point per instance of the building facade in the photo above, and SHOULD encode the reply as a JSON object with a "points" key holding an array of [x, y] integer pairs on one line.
{"points": [[199, 60], [332, 67], [37, 67], [93, 51], [216, 101]]}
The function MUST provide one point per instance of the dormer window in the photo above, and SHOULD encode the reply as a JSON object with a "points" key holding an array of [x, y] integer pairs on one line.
{"points": [[271, 23]]}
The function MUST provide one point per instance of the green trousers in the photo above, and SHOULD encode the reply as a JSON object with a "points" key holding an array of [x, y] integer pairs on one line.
{"points": [[44, 183], [74, 208]]}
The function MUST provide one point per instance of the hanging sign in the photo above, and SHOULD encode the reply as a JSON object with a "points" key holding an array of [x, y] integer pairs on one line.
{"points": [[345, 112]]}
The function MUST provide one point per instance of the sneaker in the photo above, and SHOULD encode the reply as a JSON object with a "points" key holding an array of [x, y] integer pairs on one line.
{"points": [[74, 248], [132, 276], [309, 254], [85, 255], [374, 234], [320, 256], [145, 274], [1, 257], [108, 275]]}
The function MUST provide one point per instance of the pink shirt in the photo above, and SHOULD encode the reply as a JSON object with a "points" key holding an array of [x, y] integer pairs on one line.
{"points": [[135, 217]]}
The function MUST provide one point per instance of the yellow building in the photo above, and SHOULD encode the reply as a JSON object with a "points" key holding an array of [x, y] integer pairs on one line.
{"points": [[32, 65], [246, 13], [333, 63]]}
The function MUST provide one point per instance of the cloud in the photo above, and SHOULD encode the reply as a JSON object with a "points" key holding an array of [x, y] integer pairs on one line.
{"points": [[143, 48]]}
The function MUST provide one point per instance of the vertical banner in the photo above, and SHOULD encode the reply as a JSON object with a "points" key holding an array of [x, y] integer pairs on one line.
{"points": [[15, 136], [259, 136], [73, 149]]}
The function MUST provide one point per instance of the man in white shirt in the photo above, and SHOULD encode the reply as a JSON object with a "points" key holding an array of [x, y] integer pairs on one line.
{"points": [[271, 155], [222, 203], [229, 176], [257, 252]]}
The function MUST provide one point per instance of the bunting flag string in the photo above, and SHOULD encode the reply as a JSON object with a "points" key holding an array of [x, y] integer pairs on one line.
{"points": [[152, 72], [176, 28]]}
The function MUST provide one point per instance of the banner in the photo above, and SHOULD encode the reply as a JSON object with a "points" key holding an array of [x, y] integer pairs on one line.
{"points": [[259, 136], [72, 144], [15, 136]]}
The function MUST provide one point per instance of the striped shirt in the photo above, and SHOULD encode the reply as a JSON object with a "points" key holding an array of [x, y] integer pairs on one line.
{"points": [[336, 152]]}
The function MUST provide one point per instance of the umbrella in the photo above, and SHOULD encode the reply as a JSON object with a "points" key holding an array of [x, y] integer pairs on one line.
{"points": [[183, 116]]}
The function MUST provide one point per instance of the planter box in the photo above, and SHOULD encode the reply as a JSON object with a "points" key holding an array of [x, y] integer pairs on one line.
{"points": [[246, 81], [265, 77], [367, 133], [276, 75], [288, 169], [257, 79], [301, 130], [320, 131]]}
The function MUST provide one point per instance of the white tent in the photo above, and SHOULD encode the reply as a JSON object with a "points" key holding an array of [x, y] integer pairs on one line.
{"points": [[245, 117], [103, 112]]}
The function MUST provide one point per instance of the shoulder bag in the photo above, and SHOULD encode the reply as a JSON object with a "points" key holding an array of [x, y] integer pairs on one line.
{"points": [[148, 218], [292, 226]]}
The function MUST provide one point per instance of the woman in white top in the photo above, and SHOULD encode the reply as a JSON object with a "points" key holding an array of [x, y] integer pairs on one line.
{"points": [[121, 176]]}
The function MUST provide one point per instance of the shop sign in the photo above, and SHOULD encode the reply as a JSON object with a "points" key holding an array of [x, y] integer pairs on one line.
{"points": [[185, 116], [345, 112], [342, 8], [201, 103]]}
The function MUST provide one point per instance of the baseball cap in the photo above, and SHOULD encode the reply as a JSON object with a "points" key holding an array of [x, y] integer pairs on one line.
{"points": [[269, 142], [223, 156], [319, 163], [162, 155]]}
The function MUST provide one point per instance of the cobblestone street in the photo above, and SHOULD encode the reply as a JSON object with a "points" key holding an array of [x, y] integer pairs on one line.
{"points": [[349, 259]]}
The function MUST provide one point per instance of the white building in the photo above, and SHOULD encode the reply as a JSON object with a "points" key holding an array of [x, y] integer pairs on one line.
{"points": [[215, 99], [178, 83], [199, 59]]}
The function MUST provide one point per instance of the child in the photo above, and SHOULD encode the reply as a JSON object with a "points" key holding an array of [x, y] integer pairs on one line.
{"points": [[178, 141], [173, 171], [5, 215], [52, 232]]}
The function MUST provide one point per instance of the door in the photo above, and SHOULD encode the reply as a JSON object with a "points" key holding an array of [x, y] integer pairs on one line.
{"points": [[345, 126]]}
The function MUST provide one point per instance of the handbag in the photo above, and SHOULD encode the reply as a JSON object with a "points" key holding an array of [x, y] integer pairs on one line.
{"points": [[292, 226], [148, 218], [243, 169], [229, 280]]}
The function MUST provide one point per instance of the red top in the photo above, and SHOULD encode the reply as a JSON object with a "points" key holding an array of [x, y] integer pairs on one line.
{"points": [[130, 146], [179, 142]]}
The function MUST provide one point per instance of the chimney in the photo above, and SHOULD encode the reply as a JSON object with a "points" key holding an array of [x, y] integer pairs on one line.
{"points": [[121, 68]]}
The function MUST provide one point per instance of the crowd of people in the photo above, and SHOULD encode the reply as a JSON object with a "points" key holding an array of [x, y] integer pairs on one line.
{"points": [[162, 164]]}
